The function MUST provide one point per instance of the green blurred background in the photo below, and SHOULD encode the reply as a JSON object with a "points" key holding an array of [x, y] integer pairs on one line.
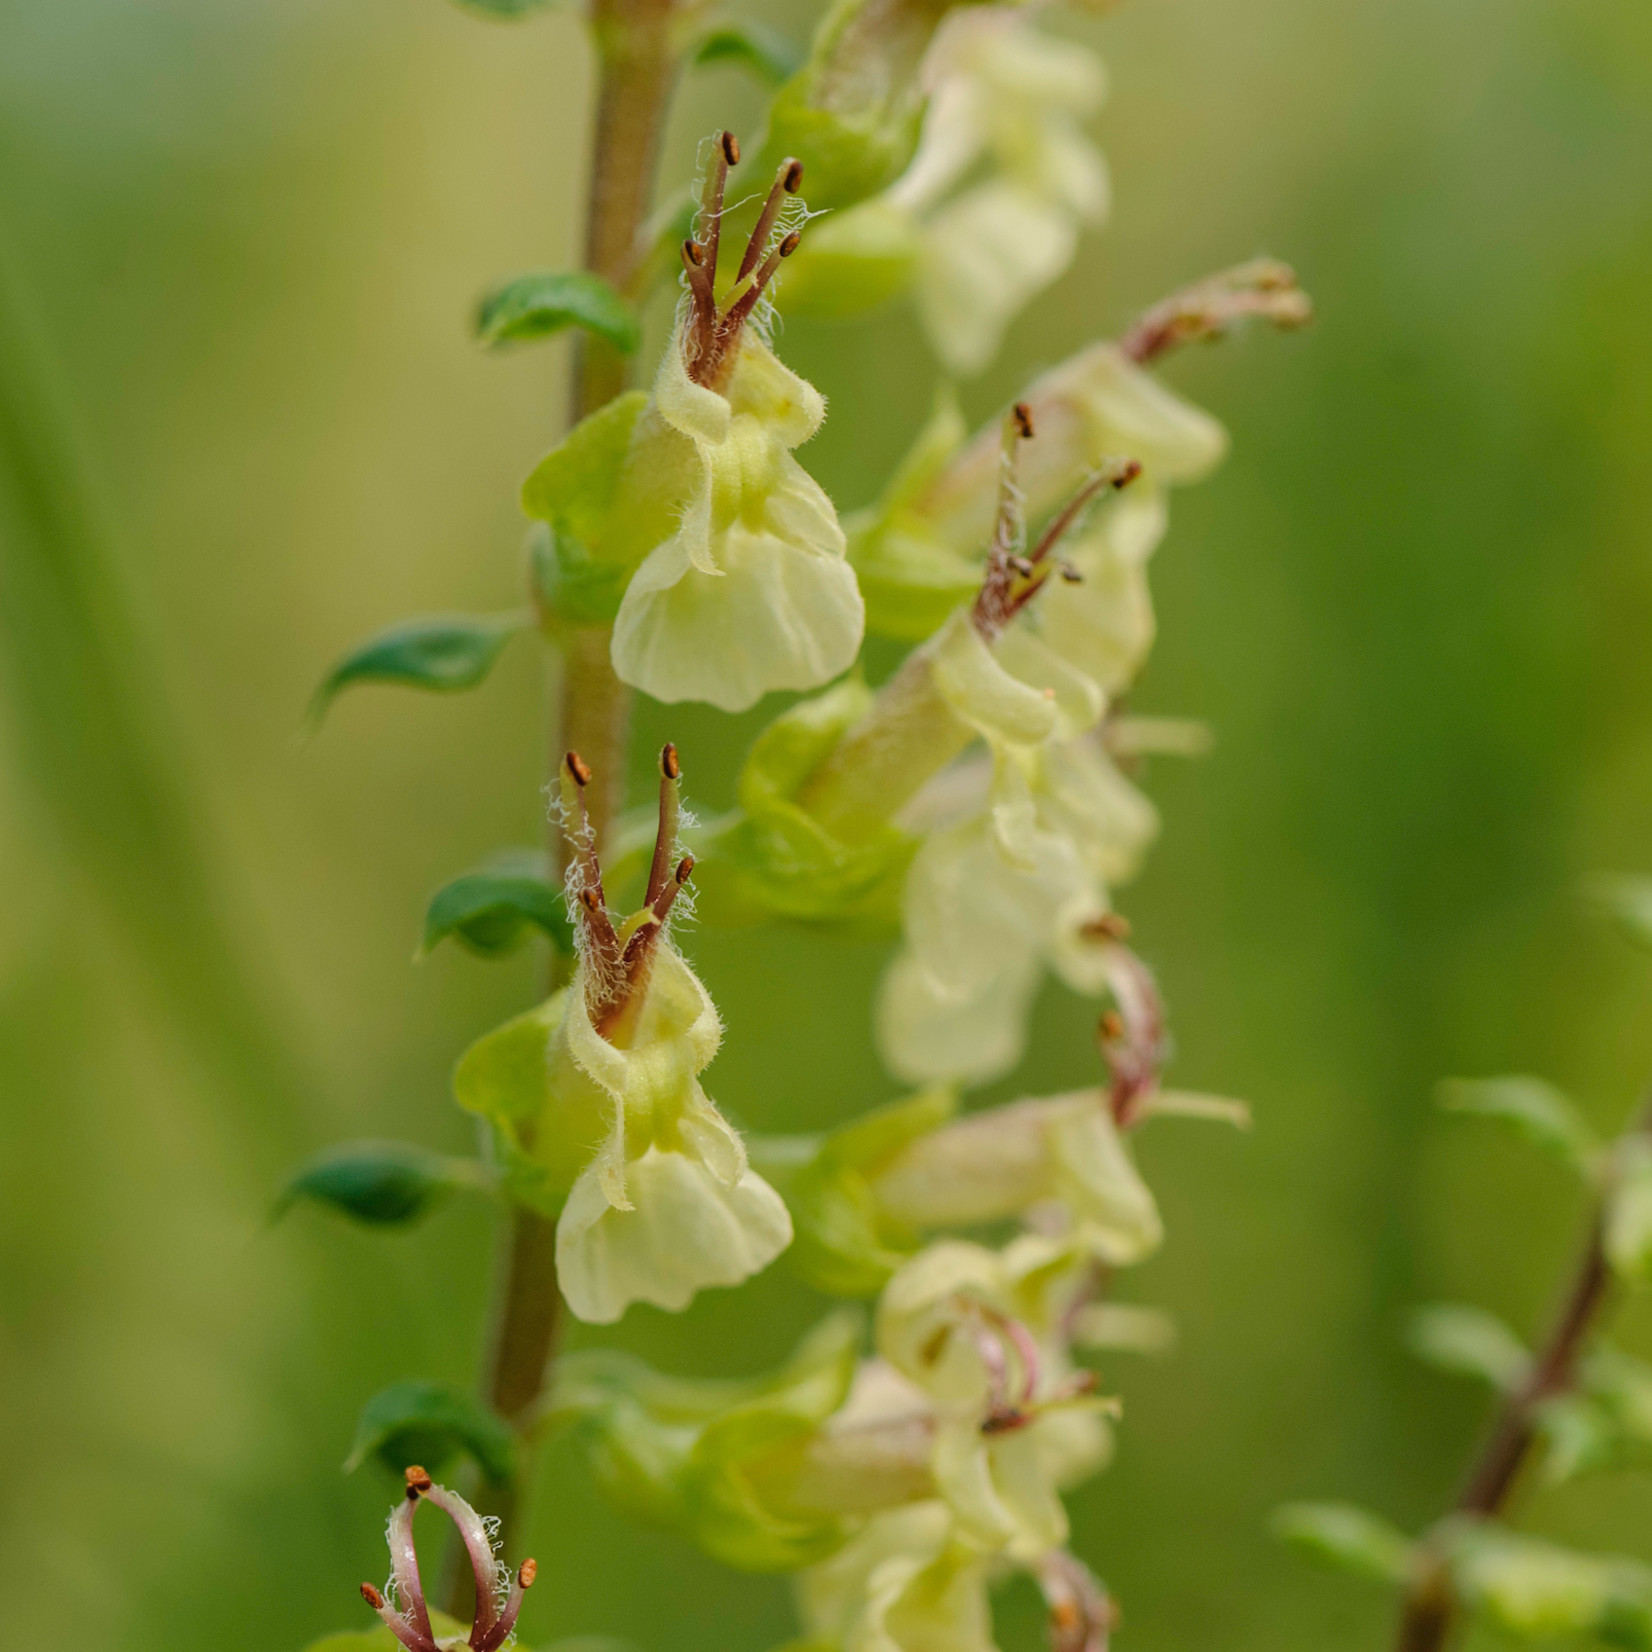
{"points": [[1415, 606]]}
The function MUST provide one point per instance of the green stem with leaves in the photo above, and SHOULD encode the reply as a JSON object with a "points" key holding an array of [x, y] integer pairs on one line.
{"points": [[1431, 1606], [638, 57]]}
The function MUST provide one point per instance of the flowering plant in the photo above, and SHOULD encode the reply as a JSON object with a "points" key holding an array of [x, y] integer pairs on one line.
{"points": [[979, 806]]}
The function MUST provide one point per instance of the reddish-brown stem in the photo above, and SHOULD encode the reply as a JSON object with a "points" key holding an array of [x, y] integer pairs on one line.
{"points": [[638, 58], [1430, 1609]]}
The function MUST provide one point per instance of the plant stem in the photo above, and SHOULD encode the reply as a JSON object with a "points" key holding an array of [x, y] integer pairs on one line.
{"points": [[1430, 1606], [590, 710]]}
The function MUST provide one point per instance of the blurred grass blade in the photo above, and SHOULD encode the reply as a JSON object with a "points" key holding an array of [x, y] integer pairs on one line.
{"points": [[95, 736]]}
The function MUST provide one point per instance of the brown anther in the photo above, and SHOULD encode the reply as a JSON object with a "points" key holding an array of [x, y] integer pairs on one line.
{"points": [[578, 768], [591, 900], [1112, 1025], [527, 1572], [1069, 573], [693, 253], [790, 244], [669, 765], [791, 175], [1128, 472], [1022, 414], [372, 1597], [1005, 1421], [1022, 566], [731, 148], [418, 1481], [1110, 926], [685, 868]]}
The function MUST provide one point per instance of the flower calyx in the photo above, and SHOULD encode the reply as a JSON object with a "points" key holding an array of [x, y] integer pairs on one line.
{"points": [[711, 338], [618, 958], [401, 1603]]}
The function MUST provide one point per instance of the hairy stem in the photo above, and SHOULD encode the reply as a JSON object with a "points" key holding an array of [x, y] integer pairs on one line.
{"points": [[1430, 1606], [590, 708]]}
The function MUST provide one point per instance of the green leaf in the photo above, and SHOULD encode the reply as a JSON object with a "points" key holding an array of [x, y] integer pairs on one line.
{"points": [[761, 51], [384, 1184], [1623, 1385], [490, 910], [1346, 1537], [1540, 1591], [445, 654], [1469, 1342], [1627, 900], [1629, 1209], [508, 11], [428, 1423], [1580, 1434], [1534, 1109], [547, 301]]}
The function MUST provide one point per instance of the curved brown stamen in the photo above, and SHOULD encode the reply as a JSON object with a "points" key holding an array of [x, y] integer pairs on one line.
{"points": [[788, 180], [713, 338], [665, 838]]}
